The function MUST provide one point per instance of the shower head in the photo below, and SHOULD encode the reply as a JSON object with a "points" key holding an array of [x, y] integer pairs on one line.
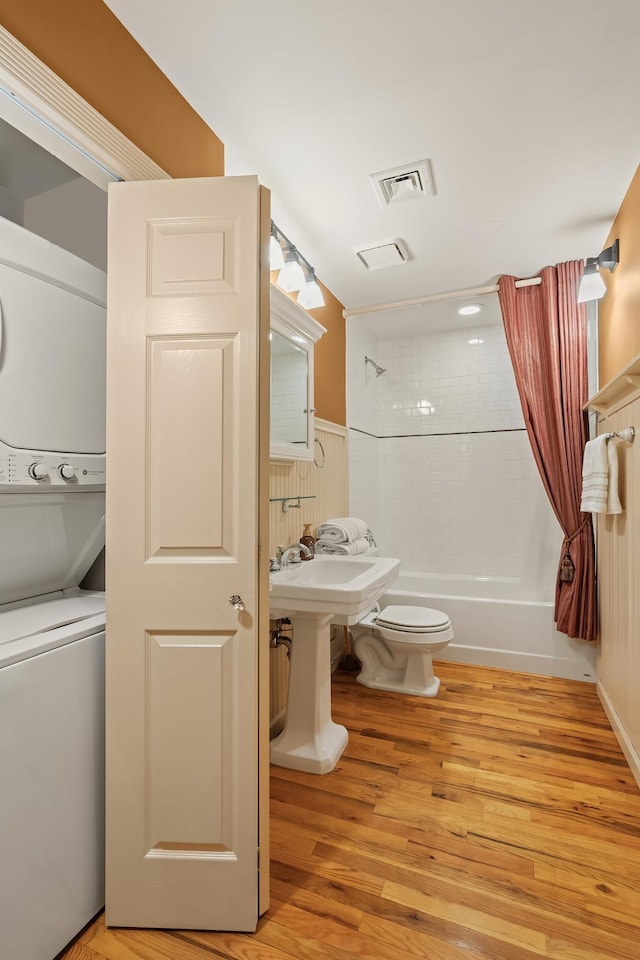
{"points": [[379, 370]]}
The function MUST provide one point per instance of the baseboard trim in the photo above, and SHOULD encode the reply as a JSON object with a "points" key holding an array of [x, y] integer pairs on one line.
{"points": [[627, 747]]}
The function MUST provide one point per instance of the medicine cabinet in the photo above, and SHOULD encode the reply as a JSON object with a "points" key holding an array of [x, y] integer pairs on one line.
{"points": [[293, 335]]}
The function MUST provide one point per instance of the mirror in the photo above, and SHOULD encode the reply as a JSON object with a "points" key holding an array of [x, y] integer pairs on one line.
{"points": [[289, 377], [293, 335]]}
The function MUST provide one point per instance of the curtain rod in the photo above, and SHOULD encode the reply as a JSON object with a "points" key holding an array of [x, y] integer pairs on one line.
{"points": [[453, 295]]}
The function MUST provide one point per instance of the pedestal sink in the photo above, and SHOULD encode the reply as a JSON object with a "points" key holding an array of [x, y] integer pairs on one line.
{"points": [[313, 594]]}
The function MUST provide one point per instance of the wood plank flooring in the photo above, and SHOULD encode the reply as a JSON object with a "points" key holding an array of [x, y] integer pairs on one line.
{"points": [[499, 821]]}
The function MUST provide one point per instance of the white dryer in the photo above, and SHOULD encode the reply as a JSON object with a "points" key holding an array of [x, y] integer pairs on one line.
{"points": [[52, 474]]}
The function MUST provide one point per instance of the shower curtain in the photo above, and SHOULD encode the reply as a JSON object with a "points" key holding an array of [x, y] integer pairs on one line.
{"points": [[545, 328]]}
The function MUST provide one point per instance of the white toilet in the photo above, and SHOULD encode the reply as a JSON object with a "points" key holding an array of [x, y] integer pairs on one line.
{"points": [[395, 647]]}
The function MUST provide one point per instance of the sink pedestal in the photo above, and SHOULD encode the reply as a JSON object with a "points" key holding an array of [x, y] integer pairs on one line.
{"points": [[310, 740]]}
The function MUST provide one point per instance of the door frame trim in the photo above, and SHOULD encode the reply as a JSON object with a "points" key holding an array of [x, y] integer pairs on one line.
{"points": [[38, 103]]}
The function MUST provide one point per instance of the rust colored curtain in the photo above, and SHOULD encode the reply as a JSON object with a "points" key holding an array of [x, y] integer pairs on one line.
{"points": [[547, 340]]}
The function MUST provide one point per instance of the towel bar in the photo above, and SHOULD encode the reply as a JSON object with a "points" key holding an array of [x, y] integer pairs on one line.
{"points": [[627, 434]]}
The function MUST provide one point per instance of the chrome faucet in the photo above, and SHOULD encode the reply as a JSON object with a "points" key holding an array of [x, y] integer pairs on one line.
{"points": [[291, 554]]}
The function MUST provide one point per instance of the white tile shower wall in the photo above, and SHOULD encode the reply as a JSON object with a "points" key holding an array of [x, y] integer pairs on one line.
{"points": [[447, 382], [444, 492], [469, 504], [364, 390], [365, 480]]}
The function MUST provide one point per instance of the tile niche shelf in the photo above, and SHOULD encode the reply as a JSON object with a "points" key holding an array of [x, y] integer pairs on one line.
{"points": [[620, 390]]}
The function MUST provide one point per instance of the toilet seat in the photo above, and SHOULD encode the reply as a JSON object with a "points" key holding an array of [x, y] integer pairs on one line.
{"points": [[408, 623], [413, 619]]}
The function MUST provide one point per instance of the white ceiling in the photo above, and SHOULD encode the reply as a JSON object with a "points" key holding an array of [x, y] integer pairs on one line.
{"points": [[420, 319], [527, 112]]}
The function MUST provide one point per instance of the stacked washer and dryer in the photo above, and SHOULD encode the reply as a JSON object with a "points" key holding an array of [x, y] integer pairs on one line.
{"points": [[52, 475]]}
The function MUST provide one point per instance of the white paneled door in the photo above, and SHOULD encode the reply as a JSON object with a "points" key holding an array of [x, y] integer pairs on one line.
{"points": [[187, 600]]}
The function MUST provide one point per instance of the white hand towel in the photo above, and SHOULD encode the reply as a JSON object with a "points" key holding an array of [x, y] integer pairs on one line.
{"points": [[341, 530], [595, 476], [600, 477], [349, 549]]}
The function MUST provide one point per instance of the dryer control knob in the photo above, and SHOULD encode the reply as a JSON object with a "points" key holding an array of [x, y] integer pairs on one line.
{"points": [[38, 471], [66, 471]]}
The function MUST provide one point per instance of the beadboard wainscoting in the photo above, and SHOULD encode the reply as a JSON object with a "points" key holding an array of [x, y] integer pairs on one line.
{"points": [[326, 487], [618, 561]]}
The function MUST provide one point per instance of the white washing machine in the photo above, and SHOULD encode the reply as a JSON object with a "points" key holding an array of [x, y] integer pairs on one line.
{"points": [[52, 633]]}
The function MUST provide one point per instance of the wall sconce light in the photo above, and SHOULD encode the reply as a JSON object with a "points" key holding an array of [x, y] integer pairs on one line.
{"points": [[592, 286], [276, 256], [291, 277], [296, 273], [311, 295]]}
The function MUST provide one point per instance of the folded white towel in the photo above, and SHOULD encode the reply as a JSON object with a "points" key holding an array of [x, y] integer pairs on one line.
{"points": [[349, 549], [600, 476], [341, 530]]}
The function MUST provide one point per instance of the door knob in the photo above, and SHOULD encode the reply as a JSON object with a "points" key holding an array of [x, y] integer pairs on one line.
{"points": [[236, 602]]}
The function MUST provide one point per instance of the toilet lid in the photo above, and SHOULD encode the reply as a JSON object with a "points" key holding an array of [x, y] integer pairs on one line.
{"points": [[413, 619]]}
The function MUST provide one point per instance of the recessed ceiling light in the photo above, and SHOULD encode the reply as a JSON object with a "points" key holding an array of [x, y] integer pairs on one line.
{"points": [[470, 309], [475, 341]]}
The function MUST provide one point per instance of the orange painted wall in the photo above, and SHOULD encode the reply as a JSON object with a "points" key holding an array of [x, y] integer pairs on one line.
{"points": [[85, 45], [330, 361], [619, 310]]}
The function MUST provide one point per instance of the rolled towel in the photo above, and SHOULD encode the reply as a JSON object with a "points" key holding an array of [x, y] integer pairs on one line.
{"points": [[350, 549], [341, 530]]}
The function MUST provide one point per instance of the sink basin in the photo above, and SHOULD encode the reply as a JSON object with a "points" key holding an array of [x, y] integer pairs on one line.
{"points": [[340, 586]]}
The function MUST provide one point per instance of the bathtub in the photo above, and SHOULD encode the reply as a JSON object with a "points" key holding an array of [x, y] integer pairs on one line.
{"points": [[497, 623]]}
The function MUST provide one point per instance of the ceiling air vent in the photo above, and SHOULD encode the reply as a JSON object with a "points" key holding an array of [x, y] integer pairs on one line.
{"points": [[384, 255], [403, 183]]}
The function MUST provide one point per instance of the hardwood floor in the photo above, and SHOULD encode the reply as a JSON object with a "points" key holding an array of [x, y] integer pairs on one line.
{"points": [[499, 821]]}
